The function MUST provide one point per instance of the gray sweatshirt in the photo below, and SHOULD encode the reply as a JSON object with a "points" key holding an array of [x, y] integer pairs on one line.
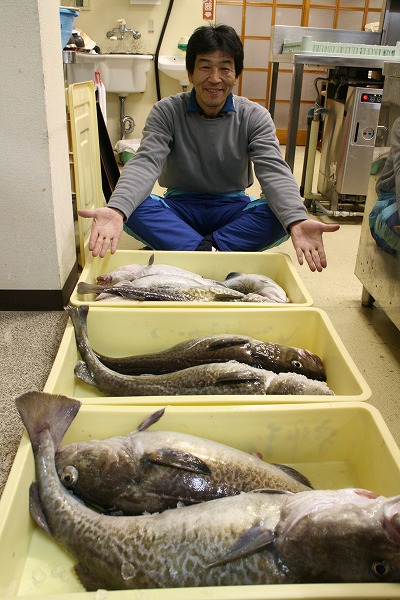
{"points": [[186, 151], [389, 181]]}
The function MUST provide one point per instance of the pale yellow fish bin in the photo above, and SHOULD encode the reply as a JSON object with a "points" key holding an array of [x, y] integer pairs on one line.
{"points": [[216, 265], [336, 445], [127, 332]]}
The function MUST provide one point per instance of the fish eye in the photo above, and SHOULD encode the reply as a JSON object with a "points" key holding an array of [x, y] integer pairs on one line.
{"points": [[296, 364], [381, 569], [69, 476]]}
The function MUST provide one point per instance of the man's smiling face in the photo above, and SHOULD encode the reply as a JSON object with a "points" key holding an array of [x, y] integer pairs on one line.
{"points": [[213, 79]]}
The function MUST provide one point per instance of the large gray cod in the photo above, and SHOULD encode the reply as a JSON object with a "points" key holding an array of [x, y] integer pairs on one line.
{"points": [[149, 471]]}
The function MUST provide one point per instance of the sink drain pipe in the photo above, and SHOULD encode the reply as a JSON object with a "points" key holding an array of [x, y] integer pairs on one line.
{"points": [[160, 40]]}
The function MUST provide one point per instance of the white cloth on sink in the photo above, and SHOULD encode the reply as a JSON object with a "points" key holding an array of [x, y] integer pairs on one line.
{"points": [[101, 94]]}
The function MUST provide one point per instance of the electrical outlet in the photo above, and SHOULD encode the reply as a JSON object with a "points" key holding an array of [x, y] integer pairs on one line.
{"points": [[150, 27]]}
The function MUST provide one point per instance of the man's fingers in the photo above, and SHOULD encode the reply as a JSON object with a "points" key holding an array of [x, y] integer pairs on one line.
{"points": [[87, 214], [114, 244]]}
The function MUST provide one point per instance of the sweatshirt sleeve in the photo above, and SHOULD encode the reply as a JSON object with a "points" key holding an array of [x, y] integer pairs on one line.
{"points": [[142, 171], [276, 179]]}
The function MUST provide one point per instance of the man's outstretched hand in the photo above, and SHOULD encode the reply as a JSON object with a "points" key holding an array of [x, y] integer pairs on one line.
{"points": [[107, 227], [307, 241]]}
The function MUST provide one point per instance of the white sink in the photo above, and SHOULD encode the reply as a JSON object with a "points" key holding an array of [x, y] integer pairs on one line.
{"points": [[121, 74], [174, 66]]}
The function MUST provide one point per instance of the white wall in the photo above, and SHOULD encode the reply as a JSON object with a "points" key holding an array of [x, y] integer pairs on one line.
{"points": [[185, 16], [37, 242]]}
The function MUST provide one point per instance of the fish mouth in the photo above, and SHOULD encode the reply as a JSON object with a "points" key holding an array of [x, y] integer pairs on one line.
{"points": [[316, 362]]}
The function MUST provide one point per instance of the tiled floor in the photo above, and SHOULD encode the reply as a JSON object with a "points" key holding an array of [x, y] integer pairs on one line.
{"points": [[29, 341]]}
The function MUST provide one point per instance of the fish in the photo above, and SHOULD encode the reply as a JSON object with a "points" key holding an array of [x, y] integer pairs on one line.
{"points": [[133, 272], [255, 538], [150, 471], [103, 297], [194, 292], [253, 285], [215, 378], [165, 282], [278, 358]]}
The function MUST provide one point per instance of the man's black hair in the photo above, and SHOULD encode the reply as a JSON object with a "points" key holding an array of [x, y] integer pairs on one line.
{"points": [[210, 38]]}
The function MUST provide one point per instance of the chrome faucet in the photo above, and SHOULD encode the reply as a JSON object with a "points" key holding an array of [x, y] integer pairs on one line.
{"points": [[119, 32]]}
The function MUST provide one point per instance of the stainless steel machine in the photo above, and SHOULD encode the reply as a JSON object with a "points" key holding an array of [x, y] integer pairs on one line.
{"points": [[350, 129], [378, 271]]}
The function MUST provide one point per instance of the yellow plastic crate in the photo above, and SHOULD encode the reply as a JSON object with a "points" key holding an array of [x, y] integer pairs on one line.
{"points": [[125, 332], [217, 265], [335, 445]]}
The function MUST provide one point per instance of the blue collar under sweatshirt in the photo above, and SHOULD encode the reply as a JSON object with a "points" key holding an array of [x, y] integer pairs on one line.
{"points": [[194, 106]]}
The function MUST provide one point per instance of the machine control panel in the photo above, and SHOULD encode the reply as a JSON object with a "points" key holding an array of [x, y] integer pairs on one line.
{"points": [[368, 133], [370, 97]]}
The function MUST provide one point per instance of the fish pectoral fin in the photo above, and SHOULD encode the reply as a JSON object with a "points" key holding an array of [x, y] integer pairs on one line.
{"points": [[295, 474], [239, 377], [151, 419], [255, 539], [179, 460], [230, 295], [82, 372], [228, 342], [35, 508]]}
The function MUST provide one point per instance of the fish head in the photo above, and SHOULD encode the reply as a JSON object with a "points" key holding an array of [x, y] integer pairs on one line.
{"points": [[289, 359], [124, 273], [88, 469], [306, 363], [343, 536], [293, 383], [313, 365]]}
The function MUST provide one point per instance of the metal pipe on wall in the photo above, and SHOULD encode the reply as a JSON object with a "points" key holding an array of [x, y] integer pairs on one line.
{"points": [[157, 52]]}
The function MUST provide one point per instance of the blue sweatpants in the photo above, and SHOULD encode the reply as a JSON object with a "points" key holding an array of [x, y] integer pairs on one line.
{"points": [[180, 222], [382, 218]]}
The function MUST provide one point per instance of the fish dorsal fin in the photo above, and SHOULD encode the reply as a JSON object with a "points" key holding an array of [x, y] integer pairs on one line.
{"points": [[178, 460], [151, 419], [292, 472], [228, 342], [151, 260], [35, 508], [232, 274], [253, 540]]}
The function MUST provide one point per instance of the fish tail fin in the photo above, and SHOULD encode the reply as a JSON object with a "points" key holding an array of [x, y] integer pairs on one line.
{"points": [[39, 411], [89, 288], [78, 314]]}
